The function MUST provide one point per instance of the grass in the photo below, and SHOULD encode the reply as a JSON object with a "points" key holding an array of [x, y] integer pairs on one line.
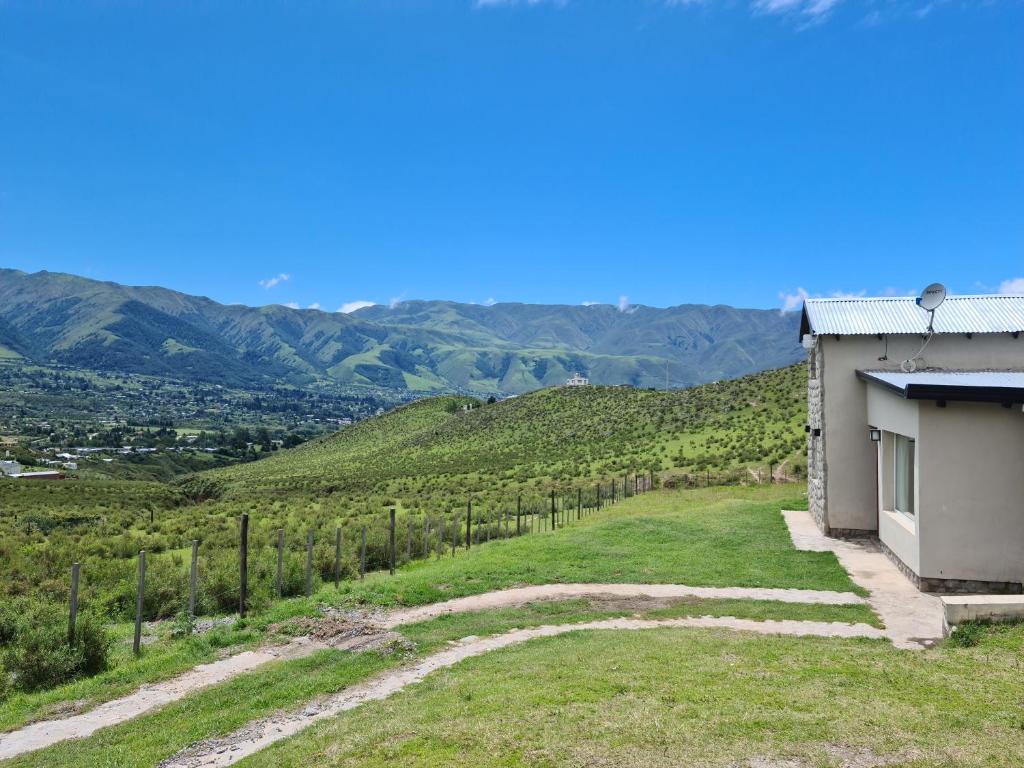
{"points": [[673, 697], [220, 709], [718, 536], [159, 660], [215, 711], [427, 459], [708, 537]]}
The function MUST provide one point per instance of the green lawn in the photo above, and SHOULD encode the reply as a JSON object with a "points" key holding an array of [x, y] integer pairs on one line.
{"points": [[281, 685], [731, 536], [681, 697]]}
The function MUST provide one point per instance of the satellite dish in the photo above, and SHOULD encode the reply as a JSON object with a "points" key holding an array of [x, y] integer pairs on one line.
{"points": [[931, 297]]}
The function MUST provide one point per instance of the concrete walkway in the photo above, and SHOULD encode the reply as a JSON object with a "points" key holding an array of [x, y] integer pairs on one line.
{"points": [[260, 734], [912, 618]]}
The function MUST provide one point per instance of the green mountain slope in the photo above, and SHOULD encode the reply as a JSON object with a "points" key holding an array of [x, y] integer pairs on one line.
{"points": [[435, 451], [416, 346]]}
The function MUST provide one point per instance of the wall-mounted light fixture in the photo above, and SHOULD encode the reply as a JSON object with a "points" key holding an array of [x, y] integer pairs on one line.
{"points": [[875, 435]]}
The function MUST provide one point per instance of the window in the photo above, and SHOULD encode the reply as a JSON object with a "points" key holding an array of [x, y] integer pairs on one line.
{"points": [[903, 473]]}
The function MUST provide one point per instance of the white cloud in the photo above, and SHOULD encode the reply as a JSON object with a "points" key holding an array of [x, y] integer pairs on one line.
{"points": [[292, 305], [623, 304], [1014, 286], [590, 303], [490, 302], [270, 282], [813, 10], [793, 301], [351, 306], [314, 305]]}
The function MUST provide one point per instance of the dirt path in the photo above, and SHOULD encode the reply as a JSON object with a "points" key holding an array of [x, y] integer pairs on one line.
{"points": [[506, 598], [358, 630], [331, 633], [260, 734], [912, 619]]}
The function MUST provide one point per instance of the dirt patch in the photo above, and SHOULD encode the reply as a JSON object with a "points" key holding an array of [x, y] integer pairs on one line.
{"points": [[342, 632], [65, 709], [636, 604]]}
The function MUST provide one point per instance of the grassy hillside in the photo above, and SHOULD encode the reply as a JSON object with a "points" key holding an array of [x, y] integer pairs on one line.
{"points": [[428, 459], [414, 347], [434, 449]]}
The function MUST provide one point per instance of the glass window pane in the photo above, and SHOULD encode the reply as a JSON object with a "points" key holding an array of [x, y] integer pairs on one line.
{"points": [[904, 474]]}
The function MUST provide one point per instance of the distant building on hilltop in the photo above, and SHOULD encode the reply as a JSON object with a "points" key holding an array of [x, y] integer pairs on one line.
{"points": [[577, 380]]}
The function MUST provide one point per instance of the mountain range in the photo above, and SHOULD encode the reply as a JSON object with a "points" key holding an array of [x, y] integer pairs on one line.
{"points": [[418, 346]]}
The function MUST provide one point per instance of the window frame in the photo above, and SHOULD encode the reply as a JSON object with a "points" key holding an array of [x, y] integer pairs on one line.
{"points": [[908, 474]]}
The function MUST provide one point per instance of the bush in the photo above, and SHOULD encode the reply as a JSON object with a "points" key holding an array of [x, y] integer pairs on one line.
{"points": [[43, 658], [966, 635], [5, 684], [9, 621]]}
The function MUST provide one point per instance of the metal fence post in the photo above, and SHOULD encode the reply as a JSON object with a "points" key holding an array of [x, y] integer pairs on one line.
{"points": [[139, 602]]}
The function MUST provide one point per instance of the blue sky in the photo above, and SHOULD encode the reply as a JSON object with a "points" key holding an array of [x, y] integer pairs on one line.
{"points": [[732, 152]]}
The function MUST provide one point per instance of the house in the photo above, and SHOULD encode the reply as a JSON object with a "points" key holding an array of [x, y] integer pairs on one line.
{"points": [[10, 467], [577, 381], [916, 434]]}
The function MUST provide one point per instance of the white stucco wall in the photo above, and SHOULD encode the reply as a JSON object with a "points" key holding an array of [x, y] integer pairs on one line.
{"points": [[850, 458], [971, 492], [894, 415]]}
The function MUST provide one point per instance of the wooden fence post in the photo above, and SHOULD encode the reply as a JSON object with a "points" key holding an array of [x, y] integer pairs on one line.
{"points": [[426, 537], [362, 555], [243, 565], [469, 522], [597, 504], [519, 514], [139, 602], [280, 560], [73, 612], [553, 523], [408, 537], [391, 514], [613, 491], [193, 573], [309, 563], [579, 503], [337, 557], [440, 538]]}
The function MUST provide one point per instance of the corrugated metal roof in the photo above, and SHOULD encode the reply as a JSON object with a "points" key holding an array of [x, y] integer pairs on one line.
{"points": [[992, 386], [868, 316]]}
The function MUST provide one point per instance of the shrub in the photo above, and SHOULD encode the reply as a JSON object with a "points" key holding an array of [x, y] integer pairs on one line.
{"points": [[966, 635], [43, 658], [9, 621], [184, 625], [197, 488]]}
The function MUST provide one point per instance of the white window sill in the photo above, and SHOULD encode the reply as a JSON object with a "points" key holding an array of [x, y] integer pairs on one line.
{"points": [[907, 522]]}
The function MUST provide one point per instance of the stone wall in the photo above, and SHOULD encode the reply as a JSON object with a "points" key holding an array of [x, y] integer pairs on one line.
{"points": [[816, 468]]}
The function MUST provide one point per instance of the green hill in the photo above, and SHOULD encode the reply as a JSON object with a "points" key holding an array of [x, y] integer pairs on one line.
{"points": [[416, 346], [426, 458], [435, 448]]}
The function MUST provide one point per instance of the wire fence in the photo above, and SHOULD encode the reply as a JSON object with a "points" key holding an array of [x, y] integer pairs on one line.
{"points": [[282, 562]]}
